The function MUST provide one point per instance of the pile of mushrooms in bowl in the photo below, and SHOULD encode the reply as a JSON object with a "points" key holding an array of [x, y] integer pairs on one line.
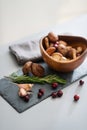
{"points": [[63, 53]]}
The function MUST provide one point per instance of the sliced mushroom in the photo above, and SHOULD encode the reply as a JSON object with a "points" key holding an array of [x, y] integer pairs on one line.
{"points": [[56, 56], [46, 41], [27, 67], [62, 49], [51, 45], [59, 57], [50, 50], [64, 59], [63, 42], [79, 50], [37, 70], [72, 53]]}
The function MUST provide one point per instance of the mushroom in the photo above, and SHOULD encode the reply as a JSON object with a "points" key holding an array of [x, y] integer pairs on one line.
{"points": [[62, 49], [34, 68], [46, 41], [37, 70], [64, 59], [63, 42], [27, 67], [79, 50], [51, 45], [67, 51], [50, 50], [52, 37], [57, 56], [71, 53]]}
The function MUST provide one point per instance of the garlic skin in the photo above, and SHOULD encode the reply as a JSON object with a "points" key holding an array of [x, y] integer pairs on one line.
{"points": [[27, 87]]}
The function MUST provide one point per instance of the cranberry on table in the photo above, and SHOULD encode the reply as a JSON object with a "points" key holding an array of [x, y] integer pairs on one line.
{"points": [[40, 95], [59, 93], [54, 85], [54, 94], [26, 98], [41, 91], [81, 82], [76, 97]]}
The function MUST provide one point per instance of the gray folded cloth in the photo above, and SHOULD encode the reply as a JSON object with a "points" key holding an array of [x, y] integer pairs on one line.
{"points": [[26, 51]]}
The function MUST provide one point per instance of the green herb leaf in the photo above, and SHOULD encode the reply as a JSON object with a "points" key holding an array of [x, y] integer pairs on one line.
{"points": [[33, 79]]}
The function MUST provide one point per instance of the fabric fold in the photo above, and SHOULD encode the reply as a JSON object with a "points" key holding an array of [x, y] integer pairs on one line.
{"points": [[26, 51]]}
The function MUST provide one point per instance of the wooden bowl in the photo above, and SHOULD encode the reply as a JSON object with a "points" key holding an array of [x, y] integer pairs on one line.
{"points": [[66, 66]]}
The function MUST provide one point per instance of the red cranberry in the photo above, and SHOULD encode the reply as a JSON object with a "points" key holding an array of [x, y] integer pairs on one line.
{"points": [[77, 54], [76, 97], [41, 91], [81, 82], [56, 45], [54, 85], [59, 93], [40, 95], [26, 98], [54, 94]]}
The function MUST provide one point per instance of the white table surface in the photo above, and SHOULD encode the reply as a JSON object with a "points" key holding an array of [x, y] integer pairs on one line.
{"points": [[58, 114]]}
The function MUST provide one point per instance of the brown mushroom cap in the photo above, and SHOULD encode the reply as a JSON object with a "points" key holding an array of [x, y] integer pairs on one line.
{"points": [[71, 53], [37, 70], [27, 67], [62, 49], [63, 42], [56, 56], [52, 37], [50, 50], [79, 50], [46, 41]]}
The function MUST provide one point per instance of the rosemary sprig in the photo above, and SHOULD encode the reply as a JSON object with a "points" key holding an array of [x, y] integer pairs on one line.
{"points": [[33, 79]]}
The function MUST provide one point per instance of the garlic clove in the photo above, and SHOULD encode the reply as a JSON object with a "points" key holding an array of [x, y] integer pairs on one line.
{"points": [[27, 87], [22, 92]]}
